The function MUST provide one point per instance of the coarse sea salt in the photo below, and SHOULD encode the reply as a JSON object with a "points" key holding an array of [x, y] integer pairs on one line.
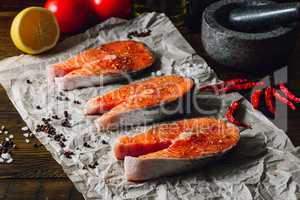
{"points": [[6, 156], [11, 136], [9, 161], [25, 134], [25, 128], [27, 141], [158, 73]]}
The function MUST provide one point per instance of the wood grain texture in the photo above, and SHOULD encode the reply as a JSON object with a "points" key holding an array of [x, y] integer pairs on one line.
{"points": [[38, 189], [16, 5], [34, 174]]}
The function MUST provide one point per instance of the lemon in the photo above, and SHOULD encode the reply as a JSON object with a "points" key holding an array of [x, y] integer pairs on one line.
{"points": [[34, 30]]}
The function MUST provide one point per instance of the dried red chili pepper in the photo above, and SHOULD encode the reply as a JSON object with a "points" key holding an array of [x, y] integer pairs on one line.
{"points": [[243, 86], [224, 83], [210, 87], [282, 99], [235, 81], [255, 98], [269, 100], [288, 93], [230, 114]]}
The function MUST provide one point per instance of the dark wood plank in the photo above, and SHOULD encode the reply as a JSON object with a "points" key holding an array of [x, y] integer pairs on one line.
{"points": [[15, 5], [7, 47], [46, 189], [5, 103]]}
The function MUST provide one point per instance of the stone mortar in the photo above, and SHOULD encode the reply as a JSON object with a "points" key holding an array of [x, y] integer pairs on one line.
{"points": [[263, 51]]}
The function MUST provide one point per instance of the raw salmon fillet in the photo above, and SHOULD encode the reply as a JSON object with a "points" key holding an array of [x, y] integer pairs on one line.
{"points": [[174, 148], [101, 65], [140, 102]]}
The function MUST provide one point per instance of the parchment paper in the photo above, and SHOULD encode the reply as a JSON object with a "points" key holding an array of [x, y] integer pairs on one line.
{"points": [[265, 164]]}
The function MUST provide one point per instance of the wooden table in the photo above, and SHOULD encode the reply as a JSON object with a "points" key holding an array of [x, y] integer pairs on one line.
{"points": [[34, 174]]}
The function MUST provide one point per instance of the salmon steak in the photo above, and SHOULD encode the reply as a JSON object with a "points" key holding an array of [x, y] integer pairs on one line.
{"points": [[104, 64], [174, 148], [141, 102]]}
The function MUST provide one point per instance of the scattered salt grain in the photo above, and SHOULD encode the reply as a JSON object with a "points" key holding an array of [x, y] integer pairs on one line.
{"points": [[7, 139], [9, 160], [1, 160], [25, 134], [11, 136], [27, 141], [158, 73], [0, 131], [152, 73], [6, 156], [5, 132], [2, 127], [25, 128]]}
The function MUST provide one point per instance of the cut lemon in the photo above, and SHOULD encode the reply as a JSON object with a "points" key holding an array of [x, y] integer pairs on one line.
{"points": [[34, 30]]}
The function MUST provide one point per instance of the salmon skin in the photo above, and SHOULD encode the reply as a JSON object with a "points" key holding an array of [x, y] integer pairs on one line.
{"points": [[141, 102], [104, 64], [174, 148]]}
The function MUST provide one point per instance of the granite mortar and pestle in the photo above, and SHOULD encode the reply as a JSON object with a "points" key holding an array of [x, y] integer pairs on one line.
{"points": [[250, 35]]}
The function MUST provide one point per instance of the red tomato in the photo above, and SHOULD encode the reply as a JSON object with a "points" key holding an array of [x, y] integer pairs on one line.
{"points": [[71, 15], [111, 8]]}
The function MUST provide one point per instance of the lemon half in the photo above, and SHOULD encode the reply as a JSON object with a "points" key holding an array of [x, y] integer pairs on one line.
{"points": [[34, 30]]}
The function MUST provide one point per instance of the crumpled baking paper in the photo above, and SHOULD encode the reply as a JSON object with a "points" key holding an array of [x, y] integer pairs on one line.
{"points": [[264, 165]]}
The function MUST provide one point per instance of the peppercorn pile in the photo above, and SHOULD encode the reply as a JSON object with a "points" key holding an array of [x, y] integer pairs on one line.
{"points": [[271, 94], [51, 132]]}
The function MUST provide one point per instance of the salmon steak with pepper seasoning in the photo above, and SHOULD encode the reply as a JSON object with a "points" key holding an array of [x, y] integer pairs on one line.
{"points": [[104, 64], [142, 102], [174, 148]]}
